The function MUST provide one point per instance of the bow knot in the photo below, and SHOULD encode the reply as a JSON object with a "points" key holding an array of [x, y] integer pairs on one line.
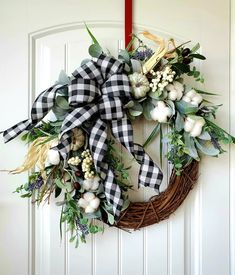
{"points": [[97, 92]]}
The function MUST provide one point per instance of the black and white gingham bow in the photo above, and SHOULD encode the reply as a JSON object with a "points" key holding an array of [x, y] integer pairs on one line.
{"points": [[98, 90]]}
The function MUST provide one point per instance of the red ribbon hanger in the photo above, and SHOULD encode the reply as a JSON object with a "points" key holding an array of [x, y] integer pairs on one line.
{"points": [[128, 21]]}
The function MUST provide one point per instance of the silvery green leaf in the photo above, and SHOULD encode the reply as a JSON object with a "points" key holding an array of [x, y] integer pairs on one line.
{"points": [[111, 219], [205, 136], [136, 110], [185, 107], [130, 104], [84, 61], [155, 95], [190, 144], [62, 103], [206, 147], [59, 113], [124, 55], [95, 50], [171, 104], [136, 66], [63, 78], [148, 107], [195, 48], [179, 122]]}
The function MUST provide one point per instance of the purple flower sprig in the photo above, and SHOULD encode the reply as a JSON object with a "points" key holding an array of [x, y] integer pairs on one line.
{"points": [[142, 54]]}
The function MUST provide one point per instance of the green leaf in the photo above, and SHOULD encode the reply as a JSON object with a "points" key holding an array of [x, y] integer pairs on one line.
{"points": [[204, 93], [95, 50], [198, 56], [183, 68], [190, 145], [62, 103], [205, 136], [195, 48], [153, 134], [136, 109], [147, 108], [91, 35], [206, 147], [60, 184], [111, 219], [171, 104], [179, 122], [63, 78], [124, 55], [185, 107]]}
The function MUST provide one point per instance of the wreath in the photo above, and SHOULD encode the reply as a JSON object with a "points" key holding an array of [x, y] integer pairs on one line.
{"points": [[78, 124]]}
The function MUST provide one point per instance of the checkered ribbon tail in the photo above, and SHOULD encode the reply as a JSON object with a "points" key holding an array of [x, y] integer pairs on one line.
{"points": [[97, 92]]}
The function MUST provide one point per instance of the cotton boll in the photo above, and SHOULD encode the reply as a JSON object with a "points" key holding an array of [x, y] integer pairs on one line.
{"points": [[168, 111], [191, 93], [88, 196], [154, 114], [95, 203], [196, 131], [179, 95], [96, 183], [189, 124], [186, 99], [87, 184], [172, 95], [53, 157], [83, 203], [89, 209], [197, 98]]}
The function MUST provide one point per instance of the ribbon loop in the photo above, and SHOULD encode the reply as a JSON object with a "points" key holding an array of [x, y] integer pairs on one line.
{"points": [[97, 92]]}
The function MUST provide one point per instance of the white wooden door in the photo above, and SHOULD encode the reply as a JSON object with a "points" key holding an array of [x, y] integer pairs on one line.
{"points": [[38, 39]]}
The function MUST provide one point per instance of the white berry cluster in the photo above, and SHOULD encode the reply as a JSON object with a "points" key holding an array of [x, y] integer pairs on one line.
{"points": [[87, 164], [161, 78], [74, 161]]}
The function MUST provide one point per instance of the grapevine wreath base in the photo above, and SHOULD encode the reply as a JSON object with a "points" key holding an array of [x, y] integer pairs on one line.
{"points": [[76, 124], [160, 207]]}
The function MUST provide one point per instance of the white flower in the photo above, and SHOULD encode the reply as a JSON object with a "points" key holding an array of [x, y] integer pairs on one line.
{"points": [[192, 97], [91, 184], [161, 112], [89, 202], [175, 90], [140, 85], [193, 125], [53, 157]]}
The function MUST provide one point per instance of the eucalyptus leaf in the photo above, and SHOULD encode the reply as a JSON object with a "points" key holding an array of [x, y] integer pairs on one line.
{"points": [[195, 48], [95, 50], [185, 107], [84, 61], [111, 219], [155, 95], [171, 104], [148, 106], [136, 110], [206, 147], [190, 145], [62, 103], [63, 78], [205, 136], [124, 55], [179, 122]]}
